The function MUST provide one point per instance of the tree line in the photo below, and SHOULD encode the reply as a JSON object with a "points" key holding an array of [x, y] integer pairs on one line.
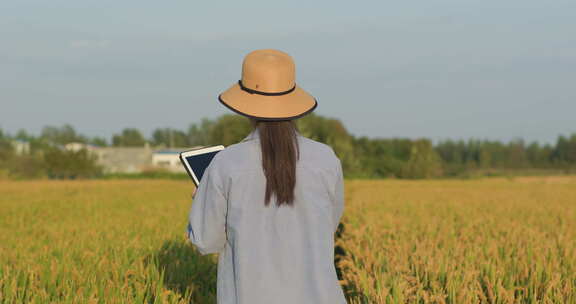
{"points": [[361, 157]]}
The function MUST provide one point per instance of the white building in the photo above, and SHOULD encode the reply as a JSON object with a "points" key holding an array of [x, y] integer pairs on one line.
{"points": [[133, 159], [169, 159], [76, 146], [21, 147]]}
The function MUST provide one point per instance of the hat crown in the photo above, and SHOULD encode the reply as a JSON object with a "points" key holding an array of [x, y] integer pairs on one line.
{"points": [[269, 71]]}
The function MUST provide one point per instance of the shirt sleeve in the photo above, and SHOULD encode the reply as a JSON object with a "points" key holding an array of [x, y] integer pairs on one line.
{"points": [[338, 196], [207, 218]]}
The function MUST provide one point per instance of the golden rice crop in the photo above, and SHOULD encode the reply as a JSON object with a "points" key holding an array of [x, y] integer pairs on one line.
{"points": [[100, 242], [493, 240], [474, 241]]}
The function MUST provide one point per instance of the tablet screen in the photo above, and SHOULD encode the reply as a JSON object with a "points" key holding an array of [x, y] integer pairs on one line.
{"points": [[198, 163]]}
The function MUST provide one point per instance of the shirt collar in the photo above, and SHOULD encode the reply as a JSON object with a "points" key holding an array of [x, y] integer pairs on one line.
{"points": [[255, 135]]}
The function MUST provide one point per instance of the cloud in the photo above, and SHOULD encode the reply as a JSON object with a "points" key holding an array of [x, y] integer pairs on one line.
{"points": [[89, 44]]}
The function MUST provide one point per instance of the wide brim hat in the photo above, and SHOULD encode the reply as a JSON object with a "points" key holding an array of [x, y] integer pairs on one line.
{"points": [[267, 89]]}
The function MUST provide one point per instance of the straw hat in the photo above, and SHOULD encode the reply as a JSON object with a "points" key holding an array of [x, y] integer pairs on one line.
{"points": [[268, 90]]}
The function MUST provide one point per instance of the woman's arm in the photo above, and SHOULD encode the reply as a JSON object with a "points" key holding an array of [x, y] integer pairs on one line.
{"points": [[207, 217]]}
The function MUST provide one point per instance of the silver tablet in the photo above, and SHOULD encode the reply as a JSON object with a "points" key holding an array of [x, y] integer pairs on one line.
{"points": [[196, 161]]}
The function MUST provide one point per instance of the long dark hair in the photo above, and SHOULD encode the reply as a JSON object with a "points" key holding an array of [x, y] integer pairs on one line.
{"points": [[279, 145]]}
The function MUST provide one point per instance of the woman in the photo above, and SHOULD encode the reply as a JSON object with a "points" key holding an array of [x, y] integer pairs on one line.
{"points": [[270, 204]]}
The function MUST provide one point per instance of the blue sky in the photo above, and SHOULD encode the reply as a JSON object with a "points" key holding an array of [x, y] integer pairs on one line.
{"points": [[438, 69]]}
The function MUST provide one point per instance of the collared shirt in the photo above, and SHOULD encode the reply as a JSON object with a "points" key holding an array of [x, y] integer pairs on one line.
{"points": [[270, 254]]}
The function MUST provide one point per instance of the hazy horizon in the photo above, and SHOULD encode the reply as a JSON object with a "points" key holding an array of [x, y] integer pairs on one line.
{"points": [[440, 70]]}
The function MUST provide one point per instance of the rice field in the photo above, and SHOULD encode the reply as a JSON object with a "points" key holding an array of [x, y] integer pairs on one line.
{"points": [[460, 241], [100, 242], [442, 241]]}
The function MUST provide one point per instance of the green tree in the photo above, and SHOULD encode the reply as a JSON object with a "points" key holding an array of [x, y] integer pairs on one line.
{"points": [[199, 135], [424, 162], [539, 156], [169, 137], [6, 149], [25, 166], [517, 154], [61, 135], [98, 141], [382, 157], [23, 135], [333, 133], [64, 164], [229, 129], [130, 137], [565, 150], [485, 157]]}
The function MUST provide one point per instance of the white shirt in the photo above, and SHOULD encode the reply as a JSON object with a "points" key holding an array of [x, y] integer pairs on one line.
{"points": [[270, 255]]}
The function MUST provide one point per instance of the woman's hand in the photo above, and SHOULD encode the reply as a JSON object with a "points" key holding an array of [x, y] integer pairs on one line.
{"points": [[194, 192]]}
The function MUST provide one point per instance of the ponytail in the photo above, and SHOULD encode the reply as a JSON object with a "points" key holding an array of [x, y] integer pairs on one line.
{"points": [[279, 145]]}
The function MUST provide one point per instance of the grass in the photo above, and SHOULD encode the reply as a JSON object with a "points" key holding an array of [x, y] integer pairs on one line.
{"points": [[496, 240]]}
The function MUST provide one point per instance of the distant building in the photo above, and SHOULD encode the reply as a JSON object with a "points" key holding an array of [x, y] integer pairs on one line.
{"points": [[123, 159], [168, 159], [133, 159], [21, 147], [77, 146]]}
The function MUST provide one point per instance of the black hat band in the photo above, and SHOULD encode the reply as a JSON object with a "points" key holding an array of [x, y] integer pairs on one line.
{"points": [[264, 93]]}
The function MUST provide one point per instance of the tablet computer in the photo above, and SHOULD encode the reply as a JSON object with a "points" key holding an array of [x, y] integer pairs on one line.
{"points": [[196, 161]]}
